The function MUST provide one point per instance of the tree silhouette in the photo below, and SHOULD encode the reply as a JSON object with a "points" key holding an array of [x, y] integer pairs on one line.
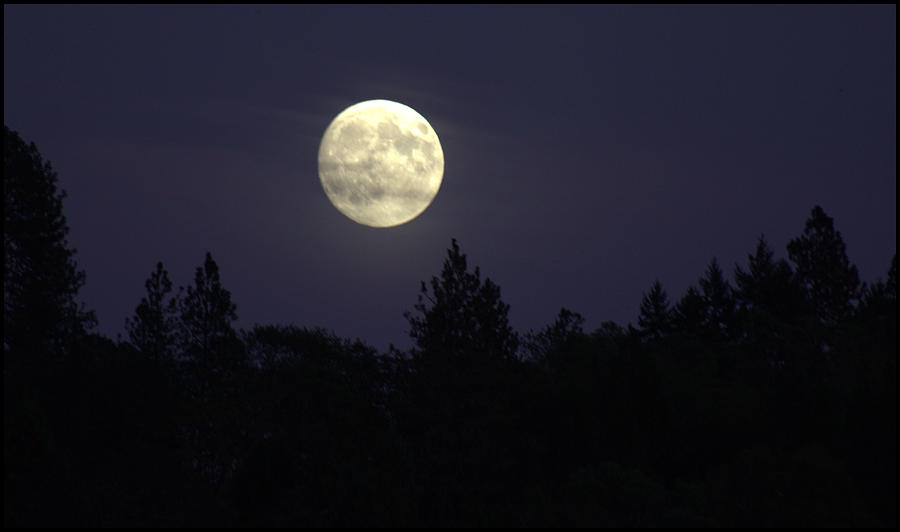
{"points": [[690, 315], [455, 394], [207, 314], [462, 314], [556, 337], [771, 402], [322, 452], [40, 276], [768, 289], [760, 286], [773, 312], [654, 319], [214, 370], [823, 269], [720, 303], [891, 284], [154, 327], [871, 372]]}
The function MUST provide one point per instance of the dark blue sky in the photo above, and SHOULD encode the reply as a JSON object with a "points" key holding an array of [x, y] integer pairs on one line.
{"points": [[589, 150]]}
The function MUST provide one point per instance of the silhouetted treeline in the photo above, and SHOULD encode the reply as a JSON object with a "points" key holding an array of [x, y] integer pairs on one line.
{"points": [[762, 398]]}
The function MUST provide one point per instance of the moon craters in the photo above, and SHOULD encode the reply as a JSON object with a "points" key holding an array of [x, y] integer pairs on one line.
{"points": [[380, 163]]}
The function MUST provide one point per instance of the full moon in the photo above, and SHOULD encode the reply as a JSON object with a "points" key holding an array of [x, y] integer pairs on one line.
{"points": [[380, 163]]}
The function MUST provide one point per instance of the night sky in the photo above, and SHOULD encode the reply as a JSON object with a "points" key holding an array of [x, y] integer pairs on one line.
{"points": [[589, 150]]}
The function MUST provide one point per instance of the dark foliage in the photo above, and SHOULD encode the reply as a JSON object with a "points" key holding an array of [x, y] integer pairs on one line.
{"points": [[153, 330], [462, 314], [655, 319], [40, 276], [824, 270], [767, 402]]}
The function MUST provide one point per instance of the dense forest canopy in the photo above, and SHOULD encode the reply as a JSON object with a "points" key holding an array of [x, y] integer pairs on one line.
{"points": [[766, 398]]}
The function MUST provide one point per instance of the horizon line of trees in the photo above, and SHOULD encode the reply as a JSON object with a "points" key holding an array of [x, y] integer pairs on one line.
{"points": [[766, 401]]}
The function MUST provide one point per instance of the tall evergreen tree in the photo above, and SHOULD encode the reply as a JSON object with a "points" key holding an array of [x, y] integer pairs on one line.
{"points": [[153, 329], [690, 313], [214, 371], [767, 285], [40, 276], [207, 314], [878, 297], [891, 284], [719, 298], [773, 312], [558, 336], [877, 309], [462, 313], [654, 318], [456, 395], [830, 281]]}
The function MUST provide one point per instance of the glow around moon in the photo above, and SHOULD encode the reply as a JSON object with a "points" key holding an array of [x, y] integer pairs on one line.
{"points": [[380, 163]]}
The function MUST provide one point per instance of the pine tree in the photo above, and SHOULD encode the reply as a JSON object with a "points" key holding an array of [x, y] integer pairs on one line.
{"points": [[690, 313], [207, 314], [891, 284], [772, 309], [719, 298], [462, 314], [557, 337], [153, 329], [823, 270], [877, 310], [654, 319], [40, 276], [767, 285], [213, 366]]}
